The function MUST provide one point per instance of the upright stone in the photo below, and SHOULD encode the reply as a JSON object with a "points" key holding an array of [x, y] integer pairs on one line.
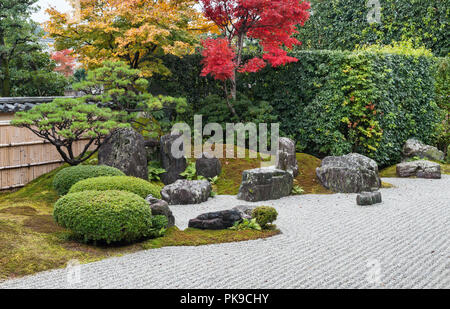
{"points": [[287, 159], [415, 148], [352, 173], [208, 166], [125, 150], [262, 184], [173, 166]]}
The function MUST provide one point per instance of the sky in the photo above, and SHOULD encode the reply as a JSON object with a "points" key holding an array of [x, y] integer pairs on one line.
{"points": [[61, 5]]}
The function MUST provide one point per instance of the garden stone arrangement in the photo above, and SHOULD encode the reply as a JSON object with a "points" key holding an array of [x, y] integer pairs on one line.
{"points": [[186, 192], [263, 184], [351, 173], [420, 169]]}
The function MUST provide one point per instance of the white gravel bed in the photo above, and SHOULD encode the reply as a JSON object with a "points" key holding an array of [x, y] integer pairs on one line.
{"points": [[327, 241]]}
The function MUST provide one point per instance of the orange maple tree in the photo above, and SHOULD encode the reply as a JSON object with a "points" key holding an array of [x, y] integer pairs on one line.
{"points": [[65, 62], [137, 32]]}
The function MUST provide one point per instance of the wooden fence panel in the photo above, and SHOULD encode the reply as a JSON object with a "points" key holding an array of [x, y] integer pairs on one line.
{"points": [[24, 156]]}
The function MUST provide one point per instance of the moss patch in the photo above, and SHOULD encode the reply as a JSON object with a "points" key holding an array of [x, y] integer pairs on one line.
{"points": [[19, 210], [195, 237], [231, 176], [386, 185]]}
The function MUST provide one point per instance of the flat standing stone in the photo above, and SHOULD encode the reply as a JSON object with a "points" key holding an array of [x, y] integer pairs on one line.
{"points": [[262, 184], [420, 169]]}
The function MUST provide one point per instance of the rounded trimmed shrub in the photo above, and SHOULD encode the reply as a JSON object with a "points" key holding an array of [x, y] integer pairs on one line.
{"points": [[109, 216], [135, 185], [69, 176], [264, 215]]}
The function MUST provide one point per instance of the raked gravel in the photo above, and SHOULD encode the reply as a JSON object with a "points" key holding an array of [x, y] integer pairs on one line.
{"points": [[327, 241]]}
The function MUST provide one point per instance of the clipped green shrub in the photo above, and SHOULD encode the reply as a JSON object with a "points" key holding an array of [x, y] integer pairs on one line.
{"points": [[69, 176], [110, 216], [264, 215], [135, 185]]}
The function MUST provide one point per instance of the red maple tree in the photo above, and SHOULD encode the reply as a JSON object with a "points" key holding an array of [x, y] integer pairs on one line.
{"points": [[271, 22], [65, 62]]}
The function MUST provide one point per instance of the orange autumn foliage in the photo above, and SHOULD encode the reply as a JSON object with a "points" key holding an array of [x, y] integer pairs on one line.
{"points": [[137, 32]]}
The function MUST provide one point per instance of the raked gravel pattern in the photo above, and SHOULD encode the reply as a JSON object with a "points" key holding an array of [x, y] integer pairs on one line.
{"points": [[327, 241]]}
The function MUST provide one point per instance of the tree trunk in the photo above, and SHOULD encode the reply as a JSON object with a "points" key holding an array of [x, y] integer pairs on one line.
{"points": [[5, 82]]}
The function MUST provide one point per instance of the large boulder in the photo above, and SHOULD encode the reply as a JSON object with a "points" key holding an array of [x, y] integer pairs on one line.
{"points": [[173, 166], [218, 220], [160, 207], [184, 192], [415, 148], [287, 160], [420, 169], [262, 184], [125, 150], [352, 173], [208, 166]]}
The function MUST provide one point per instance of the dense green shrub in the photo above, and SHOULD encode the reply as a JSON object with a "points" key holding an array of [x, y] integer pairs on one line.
{"points": [[342, 24], [443, 100], [264, 215], [109, 216], [67, 177], [333, 102], [135, 185]]}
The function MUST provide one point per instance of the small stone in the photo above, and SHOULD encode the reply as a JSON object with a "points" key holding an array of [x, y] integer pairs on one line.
{"points": [[184, 192], [160, 207], [218, 220], [207, 166], [368, 198]]}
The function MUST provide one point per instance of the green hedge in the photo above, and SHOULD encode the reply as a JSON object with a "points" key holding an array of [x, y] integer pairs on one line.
{"points": [[334, 102], [342, 24], [121, 183], [110, 216], [68, 176]]}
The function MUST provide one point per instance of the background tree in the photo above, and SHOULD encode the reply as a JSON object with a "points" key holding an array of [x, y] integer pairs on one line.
{"points": [[65, 62], [123, 89], [137, 32], [66, 121], [342, 24], [33, 74], [17, 36], [272, 23]]}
